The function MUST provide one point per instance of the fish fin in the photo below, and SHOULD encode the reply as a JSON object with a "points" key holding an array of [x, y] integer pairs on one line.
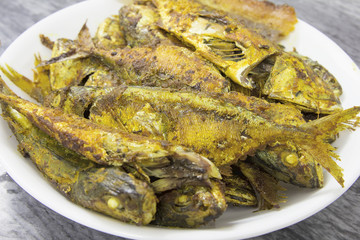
{"points": [[82, 49], [325, 154], [265, 184], [84, 38], [331, 125], [323, 128], [19, 80], [4, 88], [36, 89]]}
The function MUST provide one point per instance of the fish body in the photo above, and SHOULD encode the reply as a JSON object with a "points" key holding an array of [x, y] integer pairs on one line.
{"points": [[109, 34], [126, 192], [149, 118], [242, 54], [139, 22], [148, 66], [215, 127], [234, 49], [108, 146], [110, 191], [79, 101]]}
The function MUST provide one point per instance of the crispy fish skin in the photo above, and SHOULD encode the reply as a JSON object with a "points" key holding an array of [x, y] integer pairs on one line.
{"points": [[284, 161], [293, 80], [232, 47], [109, 34], [221, 131], [79, 71], [281, 18], [330, 80], [149, 66], [110, 191], [139, 22], [108, 146], [237, 51], [264, 183]]}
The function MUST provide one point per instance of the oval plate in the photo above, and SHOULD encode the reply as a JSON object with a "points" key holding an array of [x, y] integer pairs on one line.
{"points": [[236, 223]]}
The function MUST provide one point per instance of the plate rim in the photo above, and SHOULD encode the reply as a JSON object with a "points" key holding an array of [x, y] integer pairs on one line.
{"points": [[215, 234]]}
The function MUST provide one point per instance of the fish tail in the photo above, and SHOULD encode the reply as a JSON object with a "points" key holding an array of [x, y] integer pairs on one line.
{"points": [[313, 138], [331, 125], [4, 88]]}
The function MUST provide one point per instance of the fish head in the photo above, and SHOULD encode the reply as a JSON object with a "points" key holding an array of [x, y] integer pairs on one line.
{"points": [[191, 205], [291, 80], [290, 164], [116, 193]]}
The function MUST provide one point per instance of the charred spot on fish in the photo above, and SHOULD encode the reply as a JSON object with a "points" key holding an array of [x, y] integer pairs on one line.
{"points": [[222, 144], [197, 86], [114, 54], [264, 46], [245, 135], [85, 79], [228, 50], [86, 113], [228, 30], [301, 74], [138, 131], [298, 93], [215, 18]]}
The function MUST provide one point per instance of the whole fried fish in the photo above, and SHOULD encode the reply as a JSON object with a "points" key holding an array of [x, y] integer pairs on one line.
{"points": [[284, 161], [88, 184], [109, 146], [302, 171], [108, 190], [247, 58], [215, 127], [149, 66]]}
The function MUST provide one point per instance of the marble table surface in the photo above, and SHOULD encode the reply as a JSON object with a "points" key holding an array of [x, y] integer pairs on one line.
{"points": [[23, 217]]}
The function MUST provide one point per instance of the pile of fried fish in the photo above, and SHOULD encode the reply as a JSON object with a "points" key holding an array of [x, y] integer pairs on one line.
{"points": [[176, 109]]}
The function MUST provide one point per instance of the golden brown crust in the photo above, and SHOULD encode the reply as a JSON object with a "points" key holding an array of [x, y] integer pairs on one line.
{"points": [[279, 17]]}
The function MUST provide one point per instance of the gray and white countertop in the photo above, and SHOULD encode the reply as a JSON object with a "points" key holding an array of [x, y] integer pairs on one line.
{"points": [[23, 217]]}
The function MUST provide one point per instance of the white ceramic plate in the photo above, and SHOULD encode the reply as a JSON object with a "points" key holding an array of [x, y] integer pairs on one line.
{"points": [[236, 223]]}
